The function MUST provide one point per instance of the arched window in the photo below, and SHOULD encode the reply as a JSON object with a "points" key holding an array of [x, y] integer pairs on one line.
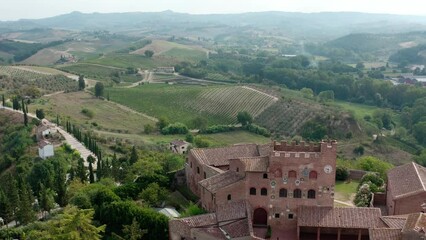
{"points": [[205, 175], [198, 170], [263, 191], [297, 193], [292, 174], [283, 192], [311, 194], [252, 191], [229, 197], [313, 175], [238, 169], [265, 175], [190, 163]]}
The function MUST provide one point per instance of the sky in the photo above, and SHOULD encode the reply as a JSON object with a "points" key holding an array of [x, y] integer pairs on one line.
{"points": [[33, 9]]}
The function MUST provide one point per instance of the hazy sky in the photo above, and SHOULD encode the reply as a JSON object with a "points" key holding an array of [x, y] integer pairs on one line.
{"points": [[17, 9]]}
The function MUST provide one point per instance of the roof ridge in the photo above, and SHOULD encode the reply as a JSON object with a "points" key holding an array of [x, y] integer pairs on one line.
{"points": [[418, 175]]}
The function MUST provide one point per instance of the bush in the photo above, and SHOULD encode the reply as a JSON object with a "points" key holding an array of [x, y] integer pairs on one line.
{"points": [[373, 164], [258, 130], [374, 181], [342, 173], [193, 210], [218, 129], [88, 113], [175, 128], [359, 150], [201, 142], [148, 128], [363, 196]]}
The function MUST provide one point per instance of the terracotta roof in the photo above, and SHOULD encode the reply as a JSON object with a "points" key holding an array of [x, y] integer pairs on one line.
{"points": [[314, 216], [200, 220], [237, 229], [395, 221], [265, 149], [385, 234], [43, 143], [178, 142], [231, 211], [221, 156], [215, 232], [219, 181], [406, 180], [255, 164], [415, 222]]}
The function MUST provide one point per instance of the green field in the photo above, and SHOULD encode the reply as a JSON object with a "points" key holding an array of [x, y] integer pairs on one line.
{"points": [[123, 60], [219, 105], [359, 110], [92, 71], [345, 190]]}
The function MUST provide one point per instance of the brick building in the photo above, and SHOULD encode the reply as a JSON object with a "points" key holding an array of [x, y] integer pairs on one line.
{"points": [[406, 189]]}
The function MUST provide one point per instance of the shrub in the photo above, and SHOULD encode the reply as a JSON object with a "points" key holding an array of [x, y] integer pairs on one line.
{"points": [[342, 173], [374, 181], [258, 130], [175, 128], [218, 129], [359, 150], [148, 128], [363, 196], [88, 113], [373, 164], [201, 142]]}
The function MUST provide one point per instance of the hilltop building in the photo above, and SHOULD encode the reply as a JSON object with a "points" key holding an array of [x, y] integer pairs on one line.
{"points": [[179, 146], [45, 149], [288, 187]]}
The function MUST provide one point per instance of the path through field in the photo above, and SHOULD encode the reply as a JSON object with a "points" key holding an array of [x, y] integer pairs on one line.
{"points": [[84, 152]]}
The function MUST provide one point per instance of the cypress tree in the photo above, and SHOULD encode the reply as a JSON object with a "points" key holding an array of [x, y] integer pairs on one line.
{"points": [[91, 175], [3, 100], [60, 186], [57, 119], [25, 114], [81, 171], [25, 213], [99, 170], [133, 156]]}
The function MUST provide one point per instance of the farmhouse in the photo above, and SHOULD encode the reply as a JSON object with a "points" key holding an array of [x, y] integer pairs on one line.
{"points": [[179, 146], [406, 189], [45, 149]]}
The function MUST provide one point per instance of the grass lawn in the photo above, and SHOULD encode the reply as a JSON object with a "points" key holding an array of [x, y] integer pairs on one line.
{"points": [[359, 110], [345, 190]]}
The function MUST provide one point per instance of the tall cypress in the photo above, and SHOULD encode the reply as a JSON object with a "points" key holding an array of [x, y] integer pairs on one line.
{"points": [[3, 100], [81, 171], [91, 175], [25, 114], [60, 186]]}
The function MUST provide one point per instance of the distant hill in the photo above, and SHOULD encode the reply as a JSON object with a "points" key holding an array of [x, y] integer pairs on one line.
{"points": [[299, 25], [412, 55]]}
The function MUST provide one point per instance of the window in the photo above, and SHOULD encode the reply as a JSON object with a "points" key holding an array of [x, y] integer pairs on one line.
{"points": [[229, 197], [290, 216], [283, 192], [190, 164], [238, 169], [297, 193], [265, 175], [252, 191], [205, 175], [263, 191], [311, 194], [277, 215], [292, 174], [198, 170], [313, 175]]}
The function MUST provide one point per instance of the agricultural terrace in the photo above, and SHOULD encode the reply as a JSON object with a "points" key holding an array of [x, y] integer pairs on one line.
{"points": [[174, 50], [219, 105], [105, 116], [92, 71], [20, 78]]}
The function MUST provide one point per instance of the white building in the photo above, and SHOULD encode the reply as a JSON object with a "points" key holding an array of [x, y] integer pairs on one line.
{"points": [[45, 149]]}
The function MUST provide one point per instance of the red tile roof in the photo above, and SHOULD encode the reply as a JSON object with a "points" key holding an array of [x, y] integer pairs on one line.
{"points": [[231, 211], [415, 222], [255, 164], [385, 234], [200, 220], [215, 232], [407, 180], [178, 142], [315, 216], [219, 181], [395, 221], [43, 143], [221, 156], [237, 229]]}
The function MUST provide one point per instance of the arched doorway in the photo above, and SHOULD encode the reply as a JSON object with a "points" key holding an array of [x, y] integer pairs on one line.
{"points": [[260, 217]]}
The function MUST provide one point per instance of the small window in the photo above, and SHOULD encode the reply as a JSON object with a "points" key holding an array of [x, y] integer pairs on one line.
{"points": [[205, 175], [198, 170], [277, 215], [292, 174], [313, 175], [290, 216], [297, 193], [311, 194], [252, 191], [265, 175], [238, 169], [190, 164], [283, 192], [229, 197], [263, 191]]}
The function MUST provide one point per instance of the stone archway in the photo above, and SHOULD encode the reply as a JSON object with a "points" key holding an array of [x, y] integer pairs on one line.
{"points": [[260, 217]]}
